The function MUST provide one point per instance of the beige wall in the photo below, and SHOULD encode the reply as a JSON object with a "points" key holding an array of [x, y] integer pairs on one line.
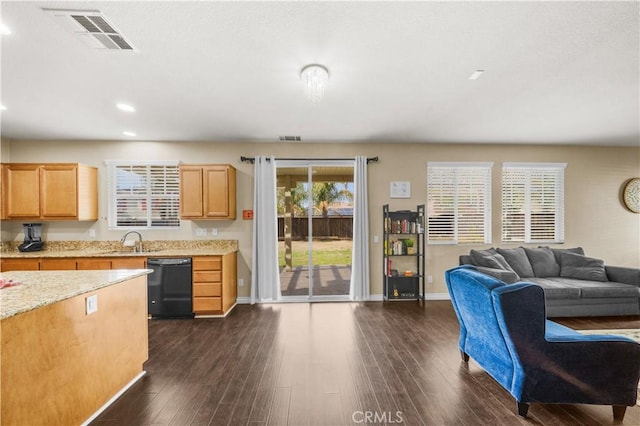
{"points": [[595, 216]]}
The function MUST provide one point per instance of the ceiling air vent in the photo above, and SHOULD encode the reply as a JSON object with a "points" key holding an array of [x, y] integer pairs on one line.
{"points": [[291, 138], [92, 28]]}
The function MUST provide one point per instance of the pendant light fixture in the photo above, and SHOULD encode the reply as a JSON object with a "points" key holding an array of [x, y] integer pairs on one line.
{"points": [[315, 78]]}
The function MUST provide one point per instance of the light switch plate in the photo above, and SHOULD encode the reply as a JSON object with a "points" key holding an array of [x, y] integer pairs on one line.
{"points": [[91, 304]]}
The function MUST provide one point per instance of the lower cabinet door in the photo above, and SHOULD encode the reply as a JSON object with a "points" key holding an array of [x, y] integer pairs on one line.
{"points": [[207, 304]]}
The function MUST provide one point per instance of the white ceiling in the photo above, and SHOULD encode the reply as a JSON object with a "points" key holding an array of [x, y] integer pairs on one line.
{"points": [[556, 72]]}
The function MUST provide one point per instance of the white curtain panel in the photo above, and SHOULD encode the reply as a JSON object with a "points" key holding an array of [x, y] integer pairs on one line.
{"points": [[359, 289], [265, 277]]}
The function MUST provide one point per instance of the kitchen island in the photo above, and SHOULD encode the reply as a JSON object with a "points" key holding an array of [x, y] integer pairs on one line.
{"points": [[71, 341]]}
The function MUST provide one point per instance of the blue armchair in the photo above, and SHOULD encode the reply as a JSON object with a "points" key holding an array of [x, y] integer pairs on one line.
{"points": [[503, 328]]}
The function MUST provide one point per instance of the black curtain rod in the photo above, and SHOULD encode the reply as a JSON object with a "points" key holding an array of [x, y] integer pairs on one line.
{"points": [[252, 159]]}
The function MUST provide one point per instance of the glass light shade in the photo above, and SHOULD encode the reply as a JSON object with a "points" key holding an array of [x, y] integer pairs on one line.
{"points": [[315, 78]]}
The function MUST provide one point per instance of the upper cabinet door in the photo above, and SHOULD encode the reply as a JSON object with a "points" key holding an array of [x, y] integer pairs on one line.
{"points": [[59, 190], [191, 205], [22, 191], [217, 192]]}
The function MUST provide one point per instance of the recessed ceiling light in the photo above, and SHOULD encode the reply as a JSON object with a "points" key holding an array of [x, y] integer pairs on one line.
{"points": [[126, 107], [4, 30], [3, 108], [128, 133], [476, 74]]}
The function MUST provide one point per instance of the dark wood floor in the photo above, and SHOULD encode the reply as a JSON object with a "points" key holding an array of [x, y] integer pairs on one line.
{"points": [[329, 364]]}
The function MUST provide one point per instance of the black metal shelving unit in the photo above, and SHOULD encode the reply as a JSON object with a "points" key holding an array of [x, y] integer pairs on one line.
{"points": [[403, 269]]}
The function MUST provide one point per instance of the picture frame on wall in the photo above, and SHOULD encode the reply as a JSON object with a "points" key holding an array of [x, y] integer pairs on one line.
{"points": [[400, 190]]}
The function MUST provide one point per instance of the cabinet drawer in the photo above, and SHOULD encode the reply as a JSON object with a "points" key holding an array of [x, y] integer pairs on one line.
{"points": [[57, 264], [19, 264], [200, 290], [128, 263], [207, 276], [207, 263], [202, 304], [89, 264]]}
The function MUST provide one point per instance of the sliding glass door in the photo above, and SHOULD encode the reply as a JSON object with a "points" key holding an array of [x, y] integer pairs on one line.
{"points": [[315, 228]]}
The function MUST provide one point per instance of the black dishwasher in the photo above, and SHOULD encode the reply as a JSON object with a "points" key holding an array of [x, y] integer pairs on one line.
{"points": [[169, 288]]}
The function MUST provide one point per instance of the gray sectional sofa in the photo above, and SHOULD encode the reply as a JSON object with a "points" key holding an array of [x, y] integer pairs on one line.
{"points": [[574, 284]]}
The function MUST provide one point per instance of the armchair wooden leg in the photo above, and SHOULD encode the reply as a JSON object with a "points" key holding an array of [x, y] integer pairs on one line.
{"points": [[523, 409], [464, 356], [618, 412]]}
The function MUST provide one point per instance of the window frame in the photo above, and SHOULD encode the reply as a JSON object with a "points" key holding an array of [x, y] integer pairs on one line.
{"points": [[459, 168], [548, 174], [149, 196]]}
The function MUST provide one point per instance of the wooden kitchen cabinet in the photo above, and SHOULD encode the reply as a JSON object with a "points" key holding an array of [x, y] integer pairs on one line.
{"points": [[88, 263], [51, 191], [32, 264], [207, 191], [128, 263], [214, 284], [94, 263], [22, 195], [57, 264], [3, 191]]}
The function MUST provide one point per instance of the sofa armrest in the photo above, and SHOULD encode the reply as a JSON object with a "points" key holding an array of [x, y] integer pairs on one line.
{"points": [[508, 277], [565, 368], [624, 275]]}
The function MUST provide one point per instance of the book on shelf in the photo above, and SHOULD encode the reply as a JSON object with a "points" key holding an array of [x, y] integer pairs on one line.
{"points": [[403, 226]]}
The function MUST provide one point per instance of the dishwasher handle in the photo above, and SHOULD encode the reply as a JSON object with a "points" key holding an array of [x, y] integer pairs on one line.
{"points": [[169, 261]]}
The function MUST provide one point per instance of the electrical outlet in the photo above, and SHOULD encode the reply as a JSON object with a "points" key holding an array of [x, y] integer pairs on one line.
{"points": [[375, 239], [214, 232], [430, 279], [91, 304], [92, 232], [240, 282], [201, 232]]}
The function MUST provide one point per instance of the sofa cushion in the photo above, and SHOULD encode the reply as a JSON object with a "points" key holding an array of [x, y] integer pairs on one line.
{"points": [[557, 288], [543, 262], [597, 289], [582, 267], [518, 260], [490, 260], [558, 252]]}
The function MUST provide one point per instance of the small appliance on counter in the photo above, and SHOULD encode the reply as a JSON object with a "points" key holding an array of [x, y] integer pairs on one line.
{"points": [[32, 237]]}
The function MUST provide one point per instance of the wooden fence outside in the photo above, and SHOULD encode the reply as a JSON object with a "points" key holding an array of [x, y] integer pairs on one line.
{"points": [[323, 227]]}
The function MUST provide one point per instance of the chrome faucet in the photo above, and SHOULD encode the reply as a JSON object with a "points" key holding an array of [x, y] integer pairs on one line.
{"points": [[124, 237]]}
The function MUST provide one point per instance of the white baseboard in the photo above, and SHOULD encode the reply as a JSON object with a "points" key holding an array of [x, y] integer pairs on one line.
{"points": [[437, 296], [243, 301]]}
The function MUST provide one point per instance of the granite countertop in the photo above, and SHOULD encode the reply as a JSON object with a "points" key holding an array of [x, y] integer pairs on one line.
{"points": [[177, 248], [41, 288], [212, 251]]}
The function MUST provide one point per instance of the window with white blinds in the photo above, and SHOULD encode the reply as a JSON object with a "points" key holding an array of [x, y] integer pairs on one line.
{"points": [[533, 202], [143, 194], [458, 203]]}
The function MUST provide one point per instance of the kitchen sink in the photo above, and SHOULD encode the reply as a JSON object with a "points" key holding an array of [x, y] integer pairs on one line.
{"points": [[131, 252]]}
